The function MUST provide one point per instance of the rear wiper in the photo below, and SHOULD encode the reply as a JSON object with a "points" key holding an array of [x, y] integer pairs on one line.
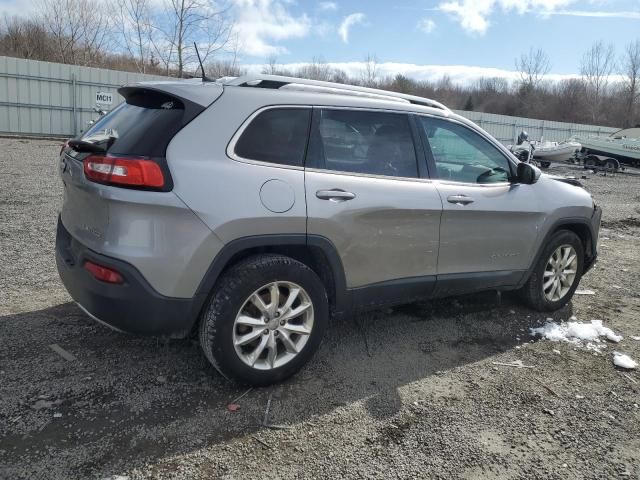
{"points": [[88, 147]]}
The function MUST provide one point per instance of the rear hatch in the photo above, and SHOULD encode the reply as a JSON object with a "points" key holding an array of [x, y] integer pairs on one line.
{"points": [[118, 158]]}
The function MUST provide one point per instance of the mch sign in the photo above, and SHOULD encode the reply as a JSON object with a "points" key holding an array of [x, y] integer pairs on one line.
{"points": [[103, 98]]}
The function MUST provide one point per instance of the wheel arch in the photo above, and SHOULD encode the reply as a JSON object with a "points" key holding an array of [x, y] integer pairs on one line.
{"points": [[317, 252], [581, 227]]}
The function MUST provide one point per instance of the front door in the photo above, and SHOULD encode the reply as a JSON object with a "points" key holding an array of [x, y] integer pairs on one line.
{"points": [[365, 194], [489, 223]]}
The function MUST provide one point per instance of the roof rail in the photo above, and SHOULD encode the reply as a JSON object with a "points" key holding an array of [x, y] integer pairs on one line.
{"points": [[277, 82]]}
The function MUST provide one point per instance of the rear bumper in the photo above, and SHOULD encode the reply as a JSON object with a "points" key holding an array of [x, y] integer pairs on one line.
{"points": [[133, 306], [592, 256]]}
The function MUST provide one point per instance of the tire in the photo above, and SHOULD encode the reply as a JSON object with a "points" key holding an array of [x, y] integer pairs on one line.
{"points": [[611, 165], [220, 332], [533, 292], [590, 162]]}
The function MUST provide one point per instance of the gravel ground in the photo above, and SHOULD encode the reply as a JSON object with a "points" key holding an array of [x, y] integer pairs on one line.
{"points": [[407, 392]]}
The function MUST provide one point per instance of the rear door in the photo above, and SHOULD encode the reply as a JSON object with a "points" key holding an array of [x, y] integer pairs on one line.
{"points": [[367, 194], [489, 223]]}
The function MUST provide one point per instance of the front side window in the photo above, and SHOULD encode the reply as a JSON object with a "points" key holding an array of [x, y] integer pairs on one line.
{"points": [[277, 135], [461, 155], [357, 141]]}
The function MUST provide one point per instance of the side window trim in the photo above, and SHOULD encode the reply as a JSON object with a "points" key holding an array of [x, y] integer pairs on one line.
{"points": [[423, 152], [231, 146], [431, 160], [428, 154], [414, 131], [309, 162]]}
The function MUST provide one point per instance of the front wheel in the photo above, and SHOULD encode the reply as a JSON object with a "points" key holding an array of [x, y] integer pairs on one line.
{"points": [[556, 274], [265, 320]]}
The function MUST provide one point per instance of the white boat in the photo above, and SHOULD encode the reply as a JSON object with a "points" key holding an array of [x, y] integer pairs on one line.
{"points": [[623, 145], [555, 151]]}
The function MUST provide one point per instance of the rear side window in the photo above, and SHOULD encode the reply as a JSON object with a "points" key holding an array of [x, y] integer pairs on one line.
{"points": [[277, 135], [376, 143], [143, 125]]}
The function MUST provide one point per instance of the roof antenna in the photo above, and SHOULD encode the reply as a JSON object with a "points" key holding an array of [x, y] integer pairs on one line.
{"points": [[204, 76]]}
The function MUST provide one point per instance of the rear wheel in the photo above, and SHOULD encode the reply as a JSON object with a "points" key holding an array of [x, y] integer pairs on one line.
{"points": [[557, 273], [265, 320], [611, 165], [590, 162]]}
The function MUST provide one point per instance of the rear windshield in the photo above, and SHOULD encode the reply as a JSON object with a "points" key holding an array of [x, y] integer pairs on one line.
{"points": [[143, 125]]}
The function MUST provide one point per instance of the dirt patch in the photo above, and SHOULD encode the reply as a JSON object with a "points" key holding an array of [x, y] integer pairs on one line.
{"points": [[423, 398], [622, 224]]}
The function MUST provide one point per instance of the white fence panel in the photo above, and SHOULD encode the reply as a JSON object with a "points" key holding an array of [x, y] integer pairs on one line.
{"points": [[44, 98], [506, 128]]}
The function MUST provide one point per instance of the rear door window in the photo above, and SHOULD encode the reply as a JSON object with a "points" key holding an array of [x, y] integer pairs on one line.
{"points": [[277, 135], [360, 141], [143, 125]]}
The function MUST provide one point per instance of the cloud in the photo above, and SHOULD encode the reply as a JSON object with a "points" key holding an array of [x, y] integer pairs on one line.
{"points": [[426, 25], [261, 23], [473, 15], [348, 22], [328, 6], [596, 14]]}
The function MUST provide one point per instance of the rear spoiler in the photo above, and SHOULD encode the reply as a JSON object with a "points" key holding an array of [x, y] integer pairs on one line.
{"points": [[189, 91]]}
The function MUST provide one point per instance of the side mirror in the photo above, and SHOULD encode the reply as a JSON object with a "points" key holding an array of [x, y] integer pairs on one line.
{"points": [[527, 173]]}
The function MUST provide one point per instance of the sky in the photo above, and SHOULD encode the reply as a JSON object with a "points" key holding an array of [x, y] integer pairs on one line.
{"points": [[425, 38]]}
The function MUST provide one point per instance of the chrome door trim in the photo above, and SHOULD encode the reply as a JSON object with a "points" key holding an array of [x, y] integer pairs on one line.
{"points": [[368, 175]]}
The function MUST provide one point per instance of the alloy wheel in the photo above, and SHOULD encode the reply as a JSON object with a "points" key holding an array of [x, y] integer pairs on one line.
{"points": [[273, 325], [560, 273]]}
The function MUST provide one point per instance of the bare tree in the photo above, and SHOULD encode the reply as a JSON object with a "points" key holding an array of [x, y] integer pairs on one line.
{"points": [[318, 69], [630, 69], [135, 31], [532, 67], [597, 65], [24, 38], [271, 67], [228, 66], [81, 29], [183, 22], [570, 101], [401, 83], [369, 71]]}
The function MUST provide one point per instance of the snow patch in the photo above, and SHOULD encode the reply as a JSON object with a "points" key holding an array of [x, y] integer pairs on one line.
{"points": [[624, 361], [587, 334], [584, 292]]}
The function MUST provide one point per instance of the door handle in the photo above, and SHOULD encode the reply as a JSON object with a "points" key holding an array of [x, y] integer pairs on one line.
{"points": [[461, 200], [335, 195]]}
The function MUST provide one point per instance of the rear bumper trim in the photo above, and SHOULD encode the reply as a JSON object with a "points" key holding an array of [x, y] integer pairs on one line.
{"points": [[96, 319], [133, 306]]}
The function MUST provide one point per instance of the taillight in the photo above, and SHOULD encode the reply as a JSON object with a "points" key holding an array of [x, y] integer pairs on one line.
{"points": [[102, 273], [135, 172]]}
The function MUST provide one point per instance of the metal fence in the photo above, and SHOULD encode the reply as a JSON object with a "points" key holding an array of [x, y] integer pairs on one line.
{"points": [[505, 128], [52, 99], [43, 98]]}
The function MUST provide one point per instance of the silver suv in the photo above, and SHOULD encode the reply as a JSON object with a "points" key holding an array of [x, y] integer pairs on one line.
{"points": [[250, 210]]}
